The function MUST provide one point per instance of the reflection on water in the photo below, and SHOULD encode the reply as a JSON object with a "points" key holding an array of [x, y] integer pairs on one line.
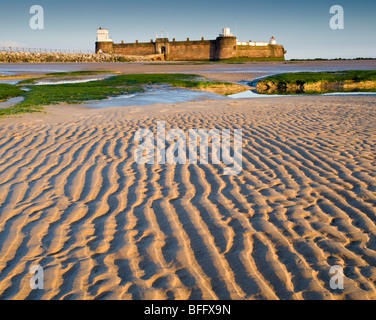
{"points": [[254, 94], [289, 67], [258, 67], [10, 81], [167, 94], [11, 102], [349, 93], [17, 69], [334, 90], [55, 82], [156, 94]]}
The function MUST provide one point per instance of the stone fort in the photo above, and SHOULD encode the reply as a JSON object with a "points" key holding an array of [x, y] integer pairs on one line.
{"points": [[226, 46]]}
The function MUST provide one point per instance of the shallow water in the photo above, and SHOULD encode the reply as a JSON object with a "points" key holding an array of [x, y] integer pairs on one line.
{"points": [[349, 94], [11, 102], [266, 67], [16, 69], [10, 81], [155, 94], [167, 94], [252, 94], [55, 82], [293, 67]]}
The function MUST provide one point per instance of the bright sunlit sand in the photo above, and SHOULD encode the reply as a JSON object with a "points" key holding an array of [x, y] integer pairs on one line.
{"points": [[207, 153], [73, 200]]}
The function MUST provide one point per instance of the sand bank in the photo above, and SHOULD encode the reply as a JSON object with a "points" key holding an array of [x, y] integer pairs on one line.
{"points": [[73, 200]]}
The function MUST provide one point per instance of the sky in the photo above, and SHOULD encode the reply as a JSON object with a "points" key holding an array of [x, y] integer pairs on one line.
{"points": [[301, 26]]}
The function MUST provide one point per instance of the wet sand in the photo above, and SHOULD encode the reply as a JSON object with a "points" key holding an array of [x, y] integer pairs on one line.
{"points": [[218, 71], [73, 200]]}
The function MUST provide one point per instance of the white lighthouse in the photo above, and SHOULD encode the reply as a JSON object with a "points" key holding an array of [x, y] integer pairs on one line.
{"points": [[226, 32], [102, 35], [273, 40]]}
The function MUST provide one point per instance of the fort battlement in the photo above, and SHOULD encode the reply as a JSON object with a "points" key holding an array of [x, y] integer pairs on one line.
{"points": [[226, 46]]}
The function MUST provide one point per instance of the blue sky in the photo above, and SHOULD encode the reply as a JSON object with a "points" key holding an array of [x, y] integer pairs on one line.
{"points": [[301, 26]]}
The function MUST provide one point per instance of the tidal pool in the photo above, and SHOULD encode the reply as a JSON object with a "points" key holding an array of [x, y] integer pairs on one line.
{"points": [[11, 102], [253, 94], [54, 81], [155, 94]]}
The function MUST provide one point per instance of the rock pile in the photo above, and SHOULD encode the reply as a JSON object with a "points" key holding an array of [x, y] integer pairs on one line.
{"points": [[37, 57]]}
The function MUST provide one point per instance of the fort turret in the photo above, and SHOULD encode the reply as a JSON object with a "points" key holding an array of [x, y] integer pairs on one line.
{"points": [[273, 41], [226, 45], [104, 44]]}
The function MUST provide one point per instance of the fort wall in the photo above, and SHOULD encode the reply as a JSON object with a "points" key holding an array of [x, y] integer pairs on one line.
{"points": [[270, 51], [191, 50], [133, 49], [224, 47]]}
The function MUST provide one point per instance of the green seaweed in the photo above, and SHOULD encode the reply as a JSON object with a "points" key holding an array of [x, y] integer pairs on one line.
{"points": [[330, 81], [329, 76], [8, 91], [76, 93]]}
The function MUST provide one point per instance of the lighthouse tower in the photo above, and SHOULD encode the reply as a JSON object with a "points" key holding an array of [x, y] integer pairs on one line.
{"points": [[226, 32], [225, 45], [104, 44], [273, 40], [102, 35]]}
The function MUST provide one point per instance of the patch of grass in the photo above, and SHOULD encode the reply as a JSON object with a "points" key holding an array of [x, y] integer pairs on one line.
{"points": [[314, 77], [78, 73], [8, 91], [173, 79], [74, 93], [317, 92], [64, 74], [30, 81], [189, 81], [19, 110], [146, 78], [102, 89], [319, 82]]}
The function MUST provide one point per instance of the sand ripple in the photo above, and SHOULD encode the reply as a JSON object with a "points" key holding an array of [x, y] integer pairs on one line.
{"points": [[73, 200]]}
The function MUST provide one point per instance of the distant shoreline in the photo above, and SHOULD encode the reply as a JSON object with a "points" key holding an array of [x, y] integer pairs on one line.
{"points": [[218, 72], [59, 57]]}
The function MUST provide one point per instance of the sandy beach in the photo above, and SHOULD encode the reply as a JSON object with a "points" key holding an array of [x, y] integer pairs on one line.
{"points": [[73, 200]]}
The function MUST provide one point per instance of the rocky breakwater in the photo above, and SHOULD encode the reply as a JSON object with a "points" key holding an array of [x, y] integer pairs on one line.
{"points": [[38, 57]]}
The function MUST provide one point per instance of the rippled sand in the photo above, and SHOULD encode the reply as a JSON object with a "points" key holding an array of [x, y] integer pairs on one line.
{"points": [[73, 200]]}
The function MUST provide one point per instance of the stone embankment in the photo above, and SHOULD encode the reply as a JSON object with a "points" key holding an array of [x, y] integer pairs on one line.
{"points": [[50, 57]]}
